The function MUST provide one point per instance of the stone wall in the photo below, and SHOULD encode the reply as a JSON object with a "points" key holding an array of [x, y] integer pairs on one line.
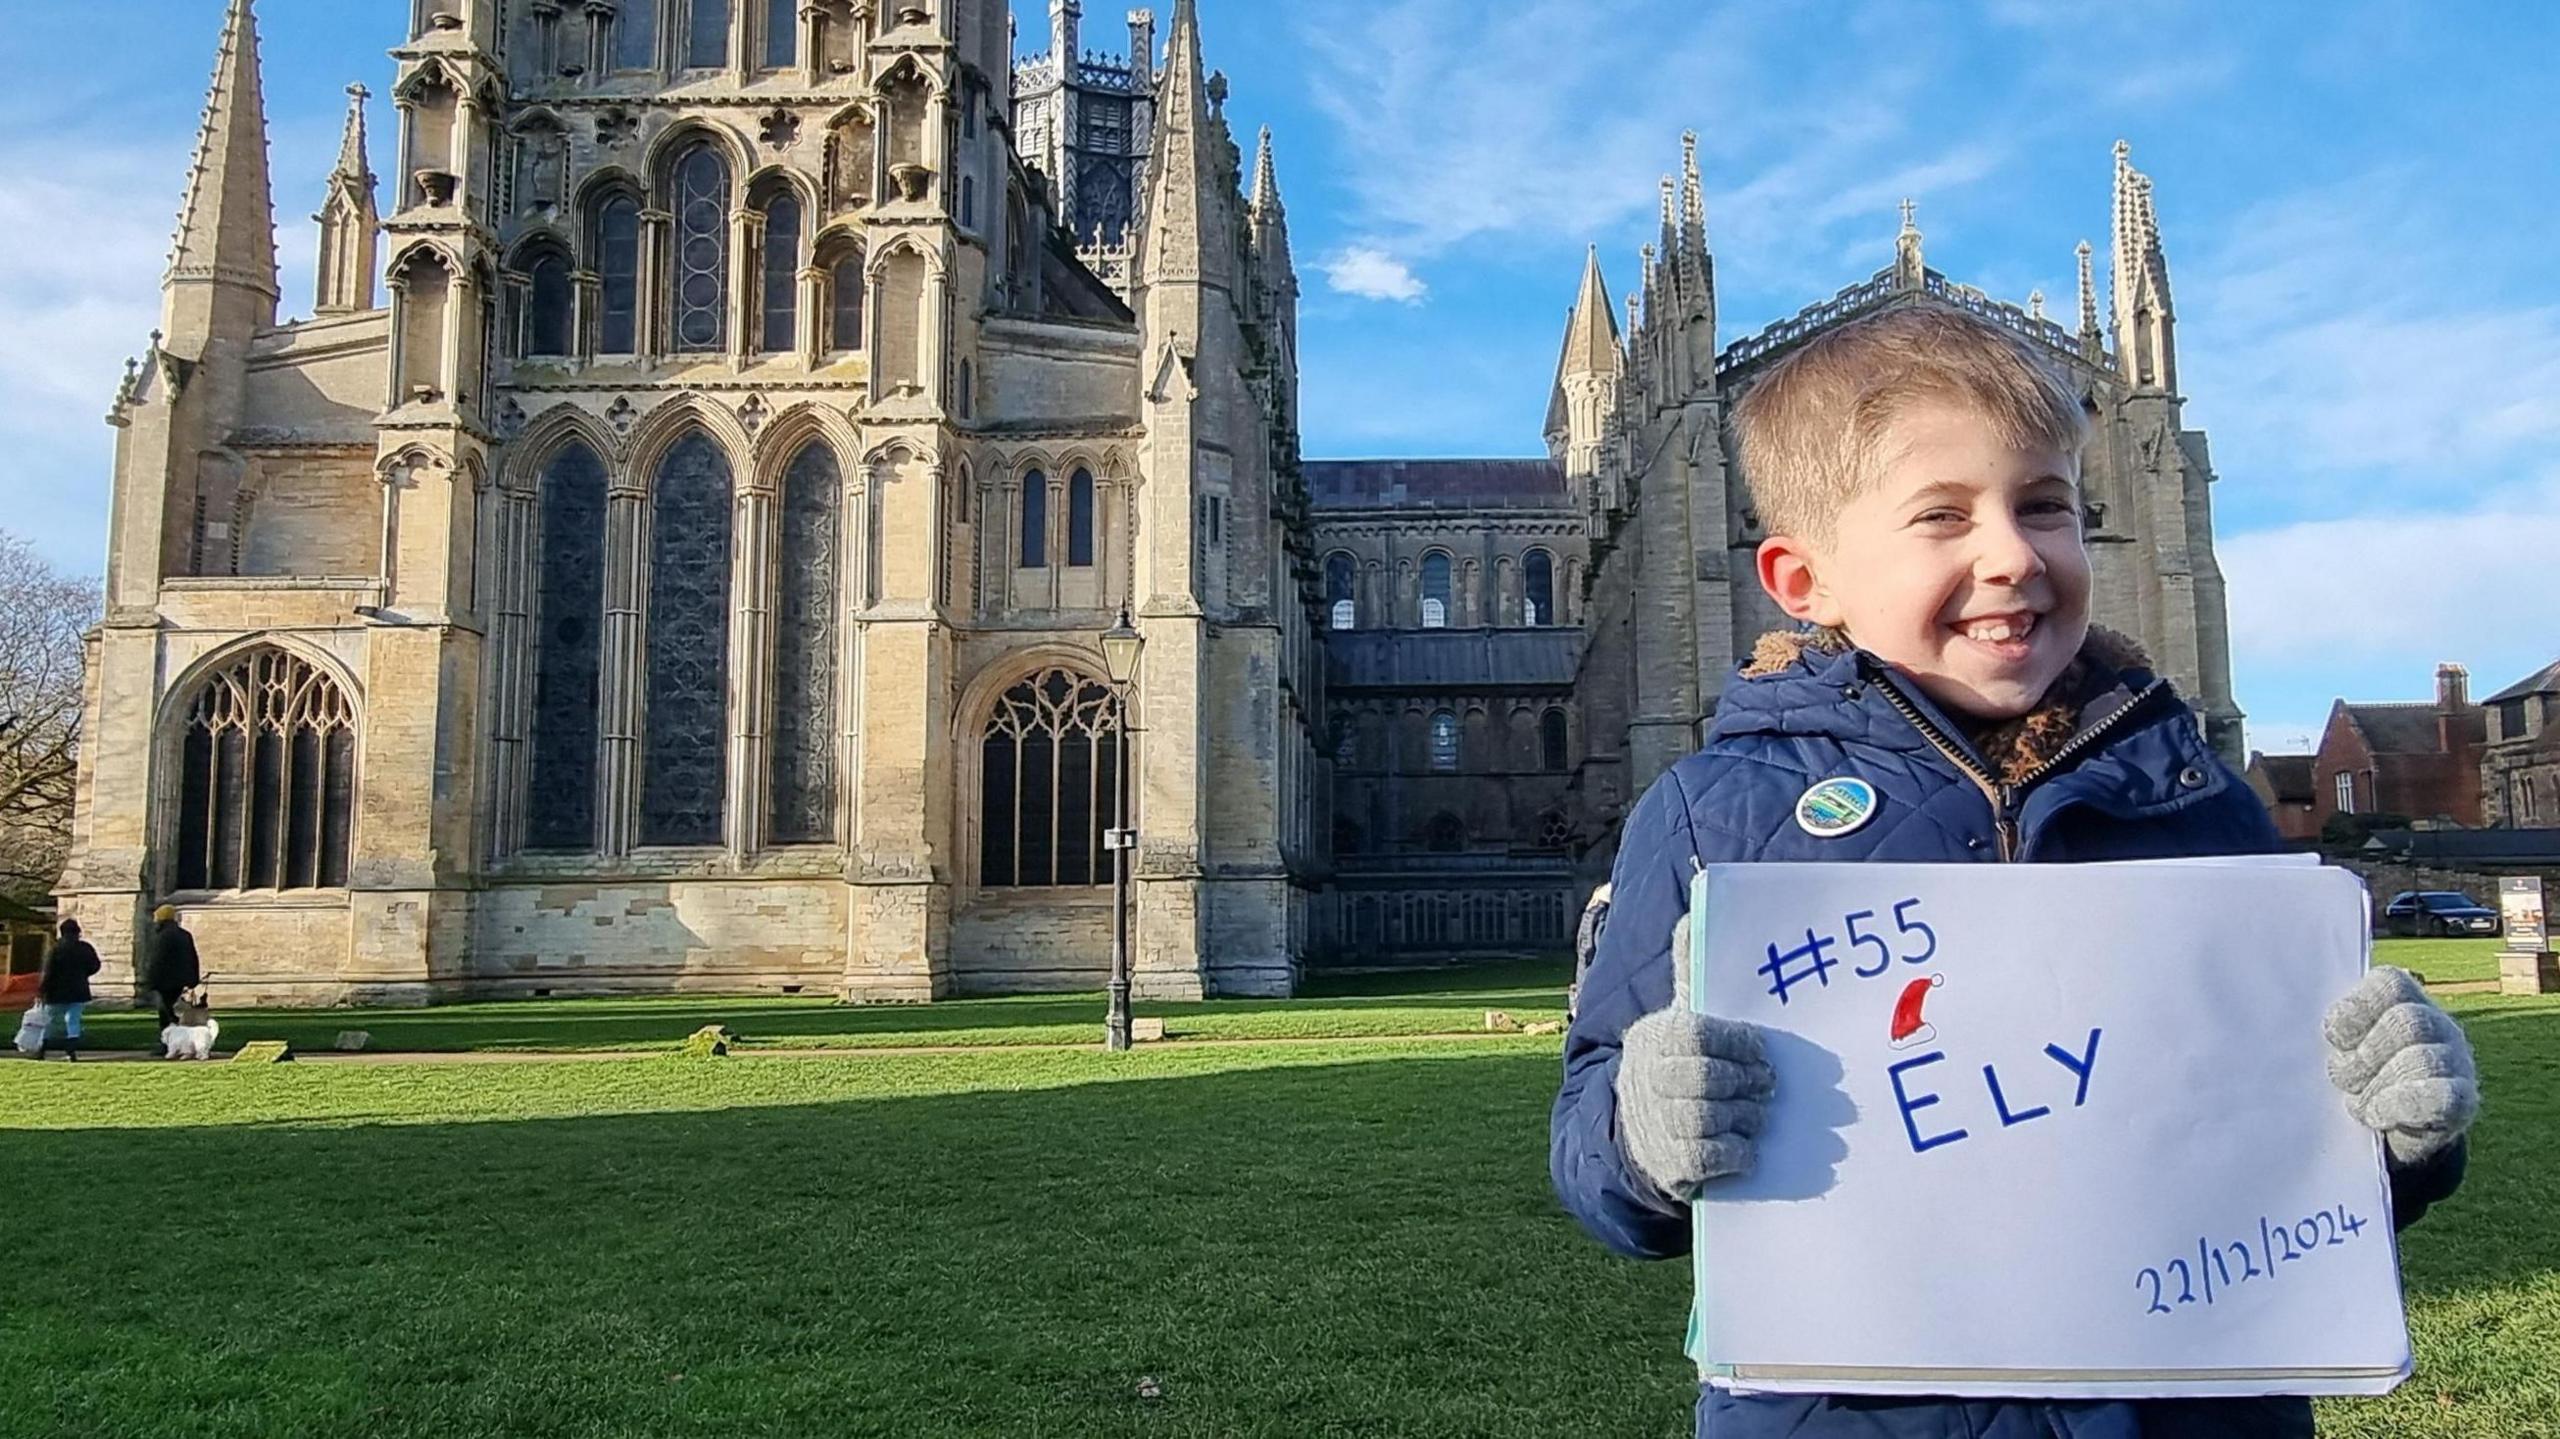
{"points": [[2386, 880], [624, 937]]}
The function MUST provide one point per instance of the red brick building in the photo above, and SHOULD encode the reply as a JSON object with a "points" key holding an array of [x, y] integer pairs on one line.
{"points": [[2420, 761], [2284, 785], [2520, 760]]}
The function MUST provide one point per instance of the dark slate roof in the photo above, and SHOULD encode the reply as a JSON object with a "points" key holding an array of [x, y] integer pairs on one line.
{"points": [[1452, 659], [2543, 681], [2289, 775], [2398, 728], [1445, 484], [2458, 848]]}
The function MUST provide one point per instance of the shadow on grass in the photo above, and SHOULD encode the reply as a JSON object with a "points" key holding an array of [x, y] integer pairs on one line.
{"points": [[1320, 1249], [1346, 1005]]}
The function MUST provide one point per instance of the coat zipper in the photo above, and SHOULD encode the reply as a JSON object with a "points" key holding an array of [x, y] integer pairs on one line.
{"points": [[2005, 796]]}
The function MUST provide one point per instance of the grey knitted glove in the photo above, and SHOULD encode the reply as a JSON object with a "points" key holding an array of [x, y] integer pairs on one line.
{"points": [[2403, 1064], [1692, 1090]]}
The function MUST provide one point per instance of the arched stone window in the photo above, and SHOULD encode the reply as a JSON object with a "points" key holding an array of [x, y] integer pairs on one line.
{"points": [[1538, 572], [685, 759], [547, 329], [1554, 741], [699, 304], [1049, 783], [1446, 834], [707, 35], [1444, 743], [804, 651], [635, 35], [845, 282], [617, 257], [1080, 520], [266, 788], [1035, 521], [965, 400], [1338, 592], [781, 318], [781, 34], [1435, 590], [567, 654], [968, 202]]}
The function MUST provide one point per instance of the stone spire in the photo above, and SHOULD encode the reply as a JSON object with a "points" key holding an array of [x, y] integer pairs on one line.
{"points": [[349, 222], [1590, 345], [2145, 320], [1693, 205], [1266, 178], [1910, 272], [1182, 163], [2090, 335], [226, 241]]}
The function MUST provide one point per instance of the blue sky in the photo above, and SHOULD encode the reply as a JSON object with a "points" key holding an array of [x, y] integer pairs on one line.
{"points": [[2357, 201]]}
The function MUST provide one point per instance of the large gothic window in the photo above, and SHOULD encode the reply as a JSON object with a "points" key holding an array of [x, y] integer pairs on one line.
{"points": [[1435, 590], [707, 38], [1080, 520], [781, 274], [781, 34], [561, 808], [1539, 570], [804, 652], [548, 307], [1338, 575], [618, 267], [1050, 783], [701, 272], [685, 771], [635, 35], [1035, 521], [266, 795]]}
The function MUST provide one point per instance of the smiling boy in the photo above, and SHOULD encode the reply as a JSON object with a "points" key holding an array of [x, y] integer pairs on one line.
{"points": [[1918, 471]]}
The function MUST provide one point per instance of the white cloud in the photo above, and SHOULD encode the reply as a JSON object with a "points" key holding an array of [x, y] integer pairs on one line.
{"points": [[2367, 606], [1373, 274]]}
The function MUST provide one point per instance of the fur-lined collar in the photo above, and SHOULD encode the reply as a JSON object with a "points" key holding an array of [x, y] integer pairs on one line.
{"points": [[2014, 748]]}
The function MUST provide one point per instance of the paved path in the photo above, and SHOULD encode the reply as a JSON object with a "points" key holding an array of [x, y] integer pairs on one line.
{"points": [[884, 1051]]}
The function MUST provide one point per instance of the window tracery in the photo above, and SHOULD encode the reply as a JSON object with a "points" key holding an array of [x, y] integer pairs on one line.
{"points": [[804, 724], [701, 271], [567, 656], [1049, 783], [685, 756], [266, 778]]}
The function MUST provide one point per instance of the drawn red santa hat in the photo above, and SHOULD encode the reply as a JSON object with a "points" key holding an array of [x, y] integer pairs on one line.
{"points": [[1908, 1026]]}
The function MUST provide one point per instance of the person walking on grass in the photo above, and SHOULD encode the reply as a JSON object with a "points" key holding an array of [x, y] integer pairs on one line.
{"points": [[174, 969], [64, 988]]}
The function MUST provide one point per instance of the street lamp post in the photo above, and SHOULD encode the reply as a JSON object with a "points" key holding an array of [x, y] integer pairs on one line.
{"points": [[1121, 645]]}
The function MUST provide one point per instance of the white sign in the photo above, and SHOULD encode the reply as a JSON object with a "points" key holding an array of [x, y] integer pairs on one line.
{"points": [[2044, 1130]]}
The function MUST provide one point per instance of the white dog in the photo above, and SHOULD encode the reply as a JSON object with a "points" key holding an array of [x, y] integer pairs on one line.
{"points": [[192, 1037]]}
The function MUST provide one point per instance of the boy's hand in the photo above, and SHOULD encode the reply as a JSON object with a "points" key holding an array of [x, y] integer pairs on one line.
{"points": [[2403, 1064], [1692, 1090]]}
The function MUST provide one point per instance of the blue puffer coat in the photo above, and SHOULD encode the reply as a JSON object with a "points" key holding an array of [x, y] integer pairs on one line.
{"points": [[2135, 781]]}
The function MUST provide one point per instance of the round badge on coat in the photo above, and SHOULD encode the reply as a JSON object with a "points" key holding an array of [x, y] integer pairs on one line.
{"points": [[1836, 807]]}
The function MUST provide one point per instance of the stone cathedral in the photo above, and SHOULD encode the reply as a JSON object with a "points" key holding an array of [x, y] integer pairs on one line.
{"points": [[1516, 649], [690, 573]]}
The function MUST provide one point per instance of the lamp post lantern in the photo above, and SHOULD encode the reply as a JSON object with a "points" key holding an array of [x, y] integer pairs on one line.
{"points": [[1121, 645]]}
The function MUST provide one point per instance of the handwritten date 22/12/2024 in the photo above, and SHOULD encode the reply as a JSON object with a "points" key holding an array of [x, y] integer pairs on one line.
{"points": [[2213, 1273]]}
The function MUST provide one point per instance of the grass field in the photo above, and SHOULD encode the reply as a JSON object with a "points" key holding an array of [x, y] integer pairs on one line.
{"points": [[1295, 1240]]}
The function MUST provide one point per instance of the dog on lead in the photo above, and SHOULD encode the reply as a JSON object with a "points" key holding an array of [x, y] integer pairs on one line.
{"points": [[193, 1035]]}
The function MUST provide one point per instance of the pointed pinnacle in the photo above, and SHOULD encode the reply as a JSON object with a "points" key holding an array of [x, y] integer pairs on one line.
{"points": [[353, 162], [1266, 175]]}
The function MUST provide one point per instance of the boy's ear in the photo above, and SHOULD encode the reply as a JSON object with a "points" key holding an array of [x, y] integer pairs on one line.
{"points": [[1790, 572]]}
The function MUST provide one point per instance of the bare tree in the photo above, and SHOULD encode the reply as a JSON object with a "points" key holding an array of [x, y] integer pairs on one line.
{"points": [[43, 613]]}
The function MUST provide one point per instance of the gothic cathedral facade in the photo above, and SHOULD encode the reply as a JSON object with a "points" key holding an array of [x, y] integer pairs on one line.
{"points": [[690, 574]]}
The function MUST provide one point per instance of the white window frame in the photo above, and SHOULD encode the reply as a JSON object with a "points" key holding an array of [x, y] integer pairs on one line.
{"points": [[2346, 791]]}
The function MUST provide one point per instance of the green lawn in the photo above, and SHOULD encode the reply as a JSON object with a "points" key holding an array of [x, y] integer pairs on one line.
{"points": [[2441, 961], [1343, 1007], [1295, 1240]]}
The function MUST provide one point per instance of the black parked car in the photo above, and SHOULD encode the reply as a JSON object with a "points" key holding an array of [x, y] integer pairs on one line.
{"points": [[2439, 912]]}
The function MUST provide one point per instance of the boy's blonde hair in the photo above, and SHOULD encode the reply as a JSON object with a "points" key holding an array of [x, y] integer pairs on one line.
{"points": [[1814, 428]]}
